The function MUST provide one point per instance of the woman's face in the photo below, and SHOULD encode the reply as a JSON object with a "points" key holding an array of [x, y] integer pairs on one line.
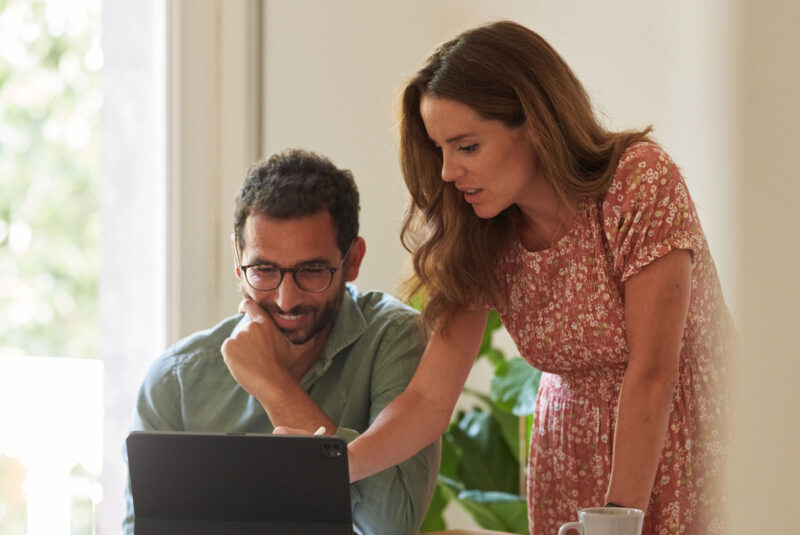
{"points": [[492, 165]]}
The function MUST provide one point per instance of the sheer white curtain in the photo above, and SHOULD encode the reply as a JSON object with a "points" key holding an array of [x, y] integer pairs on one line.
{"points": [[180, 128], [133, 178]]}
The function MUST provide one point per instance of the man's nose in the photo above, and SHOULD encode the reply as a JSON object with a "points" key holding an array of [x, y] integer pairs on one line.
{"points": [[288, 294], [451, 170]]}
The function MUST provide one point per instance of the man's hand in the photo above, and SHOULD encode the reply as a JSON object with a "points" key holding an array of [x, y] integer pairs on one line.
{"points": [[270, 368], [259, 353]]}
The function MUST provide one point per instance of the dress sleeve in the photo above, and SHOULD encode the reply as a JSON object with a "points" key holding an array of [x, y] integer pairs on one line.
{"points": [[647, 211]]}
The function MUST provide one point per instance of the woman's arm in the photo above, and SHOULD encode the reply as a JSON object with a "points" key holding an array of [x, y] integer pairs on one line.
{"points": [[422, 412], [656, 306]]}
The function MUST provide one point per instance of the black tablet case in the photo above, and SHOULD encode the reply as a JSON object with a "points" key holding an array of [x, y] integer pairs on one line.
{"points": [[237, 484]]}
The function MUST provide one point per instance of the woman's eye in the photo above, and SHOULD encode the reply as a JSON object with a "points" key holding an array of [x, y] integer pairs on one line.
{"points": [[468, 148]]}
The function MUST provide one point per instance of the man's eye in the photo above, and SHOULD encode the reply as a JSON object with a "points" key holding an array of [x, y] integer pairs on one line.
{"points": [[264, 270], [468, 148]]}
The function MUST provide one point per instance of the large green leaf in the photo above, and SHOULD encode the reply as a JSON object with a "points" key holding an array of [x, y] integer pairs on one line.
{"points": [[509, 429], [507, 422], [486, 463], [496, 510], [494, 355], [493, 322], [447, 485], [450, 456], [514, 386], [451, 488]]}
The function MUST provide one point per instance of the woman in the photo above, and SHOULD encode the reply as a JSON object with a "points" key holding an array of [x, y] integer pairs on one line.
{"points": [[587, 243]]}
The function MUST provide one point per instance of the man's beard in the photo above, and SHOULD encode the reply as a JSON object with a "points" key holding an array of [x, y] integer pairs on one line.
{"points": [[322, 316]]}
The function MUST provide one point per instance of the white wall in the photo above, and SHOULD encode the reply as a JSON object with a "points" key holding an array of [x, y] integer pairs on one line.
{"points": [[333, 71], [212, 93], [765, 465]]}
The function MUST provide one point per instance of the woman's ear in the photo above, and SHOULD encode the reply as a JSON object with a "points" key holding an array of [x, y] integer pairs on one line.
{"points": [[357, 252]]}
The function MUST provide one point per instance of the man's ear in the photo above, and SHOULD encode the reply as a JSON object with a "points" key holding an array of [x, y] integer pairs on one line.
{"points": [[235, 261], [357, 252]]}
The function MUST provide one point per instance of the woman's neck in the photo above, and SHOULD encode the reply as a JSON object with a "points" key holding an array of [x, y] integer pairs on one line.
{"points": [[545, 219]]}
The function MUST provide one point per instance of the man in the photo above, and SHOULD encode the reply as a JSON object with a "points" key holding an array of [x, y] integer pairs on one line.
{"points": [[308, 351]]}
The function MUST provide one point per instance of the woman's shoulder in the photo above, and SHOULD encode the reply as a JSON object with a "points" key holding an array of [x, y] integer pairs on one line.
{"points": [[641, 157], [643, 170], [643, 150], [647, 210]]}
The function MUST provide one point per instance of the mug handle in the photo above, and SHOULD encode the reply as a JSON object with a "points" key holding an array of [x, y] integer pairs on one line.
{"points": [[577, 526]]}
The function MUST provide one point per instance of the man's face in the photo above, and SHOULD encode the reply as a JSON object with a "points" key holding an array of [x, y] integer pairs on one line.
{"points": [[300, 315]]}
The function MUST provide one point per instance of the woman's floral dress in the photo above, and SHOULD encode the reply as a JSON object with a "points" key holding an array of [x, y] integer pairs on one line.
{"points": [[565, 312]]}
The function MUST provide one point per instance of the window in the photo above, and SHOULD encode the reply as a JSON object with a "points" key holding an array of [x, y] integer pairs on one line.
{"points": [[50, 377]]}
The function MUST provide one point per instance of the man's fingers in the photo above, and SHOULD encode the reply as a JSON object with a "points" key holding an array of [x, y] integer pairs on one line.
{"points": [[252, 309]]}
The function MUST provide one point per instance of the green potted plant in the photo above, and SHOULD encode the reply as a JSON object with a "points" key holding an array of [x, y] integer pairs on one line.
{"points": [[485, 449]]}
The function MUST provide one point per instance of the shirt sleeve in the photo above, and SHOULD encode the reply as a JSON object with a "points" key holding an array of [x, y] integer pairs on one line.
{"points": [[157, 408], [647, 211], [396, 499]]}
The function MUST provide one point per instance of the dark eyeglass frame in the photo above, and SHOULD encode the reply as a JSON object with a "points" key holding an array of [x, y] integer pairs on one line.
{"points": [[283, 271]]}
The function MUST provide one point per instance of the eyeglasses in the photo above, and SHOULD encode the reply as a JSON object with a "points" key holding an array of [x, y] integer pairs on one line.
{"points": [[309, 278]]}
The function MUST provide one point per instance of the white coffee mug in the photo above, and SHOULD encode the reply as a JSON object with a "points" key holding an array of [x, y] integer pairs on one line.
{"points": [[606, 521]]}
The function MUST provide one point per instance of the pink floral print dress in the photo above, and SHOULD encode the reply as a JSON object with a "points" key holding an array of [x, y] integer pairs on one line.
{"points": [[565, 312]]}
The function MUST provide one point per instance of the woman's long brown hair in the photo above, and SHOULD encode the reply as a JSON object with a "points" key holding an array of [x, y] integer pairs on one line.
{"points": [[505, 72]]}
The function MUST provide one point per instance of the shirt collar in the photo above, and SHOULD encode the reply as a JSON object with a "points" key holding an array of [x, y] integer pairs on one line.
{"points": [[349, 326]]}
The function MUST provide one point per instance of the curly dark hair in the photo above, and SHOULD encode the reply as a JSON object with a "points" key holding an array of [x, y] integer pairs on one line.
{"points": [[297, 183]]}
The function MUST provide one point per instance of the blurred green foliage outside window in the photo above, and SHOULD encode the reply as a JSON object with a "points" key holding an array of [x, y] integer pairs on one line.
{"points": [[50, 101]]}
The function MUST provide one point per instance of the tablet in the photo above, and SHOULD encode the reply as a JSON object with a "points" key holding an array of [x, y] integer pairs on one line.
{"points": [[236, 483]]}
